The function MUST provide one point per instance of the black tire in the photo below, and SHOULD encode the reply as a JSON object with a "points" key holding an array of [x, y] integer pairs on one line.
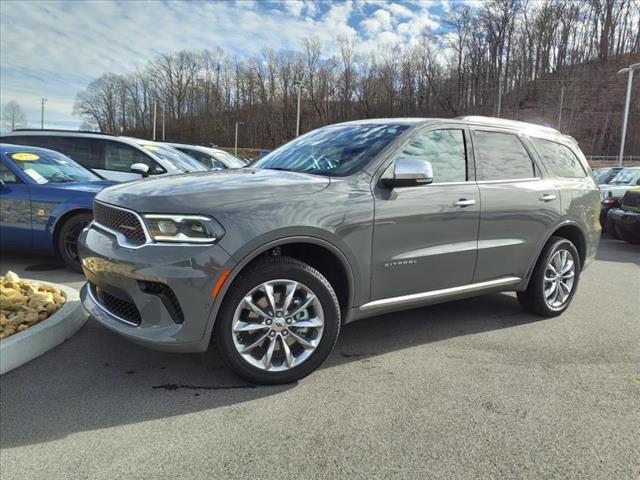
{"points": [[272, 268], [611, 228], [67, 239], [533, 298]]}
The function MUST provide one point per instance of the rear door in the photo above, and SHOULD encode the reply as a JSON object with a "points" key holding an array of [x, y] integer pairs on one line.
{"points": [[15, 210], [425, 236], [518, 205]]}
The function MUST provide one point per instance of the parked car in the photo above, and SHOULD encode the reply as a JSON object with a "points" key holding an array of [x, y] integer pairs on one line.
{"points": [[211, 158], [115, 158], [625, 221], [346, 222], [186, 163], [611, 193], [45, 201], [604, 175]]}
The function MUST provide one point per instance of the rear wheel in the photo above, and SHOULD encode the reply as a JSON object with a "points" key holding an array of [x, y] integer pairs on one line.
{"points": [[67, 239], [554, 280], [278, 323]]}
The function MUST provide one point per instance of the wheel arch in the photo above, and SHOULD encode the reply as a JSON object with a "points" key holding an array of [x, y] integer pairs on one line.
{"points": [[61, 220], [570, 230], [321, 254]]}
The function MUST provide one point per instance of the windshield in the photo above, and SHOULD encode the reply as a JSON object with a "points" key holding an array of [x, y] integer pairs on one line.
{"points": [[181, 160], [626, 177], [51, 167], [335, 151], [229, 159], [601, 175]]}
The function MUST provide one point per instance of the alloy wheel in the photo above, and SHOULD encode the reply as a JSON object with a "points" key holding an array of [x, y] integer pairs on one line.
{"points": [[559, 278], [278, 325]]}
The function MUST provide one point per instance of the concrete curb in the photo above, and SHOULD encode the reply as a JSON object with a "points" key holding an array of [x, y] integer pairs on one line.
{"points": [[24, 346]]}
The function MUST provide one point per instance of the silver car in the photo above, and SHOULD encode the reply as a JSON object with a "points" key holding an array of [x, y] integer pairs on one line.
{"points": [[115, 158], [346, 222]]}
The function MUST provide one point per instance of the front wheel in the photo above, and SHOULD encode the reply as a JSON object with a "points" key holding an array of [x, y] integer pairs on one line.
{"points": [[554, 280], [278, 323], [67, 239]]}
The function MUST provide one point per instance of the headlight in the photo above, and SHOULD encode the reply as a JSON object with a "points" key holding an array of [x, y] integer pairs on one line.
{"points": [[183, 228]]}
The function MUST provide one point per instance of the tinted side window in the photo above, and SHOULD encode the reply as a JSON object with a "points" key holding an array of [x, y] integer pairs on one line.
{"points": [[85, 151], [30, 140], [6, 175], [445, 150], [120, 157], [501, 156], [559, 159]]}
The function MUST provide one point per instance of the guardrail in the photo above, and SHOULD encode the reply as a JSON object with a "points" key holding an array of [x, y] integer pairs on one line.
{"points": [[599, 161]]}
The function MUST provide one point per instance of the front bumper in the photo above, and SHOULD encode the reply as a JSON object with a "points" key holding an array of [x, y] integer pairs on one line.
{"points": [[188, 272]]}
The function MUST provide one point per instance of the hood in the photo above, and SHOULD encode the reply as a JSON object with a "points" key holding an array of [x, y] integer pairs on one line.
{"points": [[203, 191], [89, 187]]}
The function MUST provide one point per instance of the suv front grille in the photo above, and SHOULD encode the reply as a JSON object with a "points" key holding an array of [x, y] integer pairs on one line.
{"points": [[121, 221], [118, 307]]}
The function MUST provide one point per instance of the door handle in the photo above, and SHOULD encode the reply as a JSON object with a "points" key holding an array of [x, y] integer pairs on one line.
{"points": [[547, 197], [463, 202]]}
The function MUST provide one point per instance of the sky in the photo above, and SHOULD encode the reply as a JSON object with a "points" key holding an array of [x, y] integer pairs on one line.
{"points": [[53, 49]]}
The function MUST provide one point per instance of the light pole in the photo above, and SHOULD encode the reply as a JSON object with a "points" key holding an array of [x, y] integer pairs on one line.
{"points": [[155, 108], [44, 99], [298, 84], [236, 147], [163, 122], [628, 70]]}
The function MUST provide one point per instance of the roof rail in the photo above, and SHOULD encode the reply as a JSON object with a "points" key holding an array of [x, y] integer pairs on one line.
{"points": [[62, 130], [507, 123]]}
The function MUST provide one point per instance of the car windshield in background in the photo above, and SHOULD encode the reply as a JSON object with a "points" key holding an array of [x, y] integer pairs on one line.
{"points": [[229, 159], [626, 177], [51, 167], [334, 151], [601, 175], [179, 159]]}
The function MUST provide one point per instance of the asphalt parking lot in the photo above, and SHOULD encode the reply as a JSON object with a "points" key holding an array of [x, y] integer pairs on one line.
{"points": [[471, 389]]}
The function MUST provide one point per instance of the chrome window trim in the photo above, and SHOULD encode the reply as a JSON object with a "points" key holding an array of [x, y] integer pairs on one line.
{"points": [[509, 180], [417, 297], [105, 310]]}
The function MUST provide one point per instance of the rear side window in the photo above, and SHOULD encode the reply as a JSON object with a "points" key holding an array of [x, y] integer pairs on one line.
{"points": [[28, 140], [559, 159], [85, 151], [119, 157], [501, 156], [445, 150]]}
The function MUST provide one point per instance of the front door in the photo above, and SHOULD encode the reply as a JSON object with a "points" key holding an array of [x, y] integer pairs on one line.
{"points": [[15, 210], [425, 236]]}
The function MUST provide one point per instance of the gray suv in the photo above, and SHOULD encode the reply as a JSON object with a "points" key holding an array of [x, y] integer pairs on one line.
{"points": [[346, 222]]}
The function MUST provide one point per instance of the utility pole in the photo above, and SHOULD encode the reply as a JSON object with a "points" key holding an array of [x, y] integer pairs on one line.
{"points": [[628, 70], [163, 123], [236, 147], [44, 99], [499, 95], [298, 83], [561, 104], [155, 107]]}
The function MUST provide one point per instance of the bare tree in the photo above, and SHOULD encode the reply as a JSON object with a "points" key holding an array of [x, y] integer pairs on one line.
{"points": [[13, 116]]}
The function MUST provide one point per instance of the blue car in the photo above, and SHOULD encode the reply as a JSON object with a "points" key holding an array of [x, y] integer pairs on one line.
{"points": [[46, 199]]}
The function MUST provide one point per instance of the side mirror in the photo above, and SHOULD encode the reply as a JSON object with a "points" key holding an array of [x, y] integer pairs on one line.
{"points": [[410, 172], [140, 168]]}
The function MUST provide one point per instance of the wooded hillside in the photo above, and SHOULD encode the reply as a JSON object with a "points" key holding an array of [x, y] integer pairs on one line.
{"points": [[538, 54]]}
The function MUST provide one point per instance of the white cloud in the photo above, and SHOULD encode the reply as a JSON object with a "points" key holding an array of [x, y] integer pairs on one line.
{"points": [[55, 48]]}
